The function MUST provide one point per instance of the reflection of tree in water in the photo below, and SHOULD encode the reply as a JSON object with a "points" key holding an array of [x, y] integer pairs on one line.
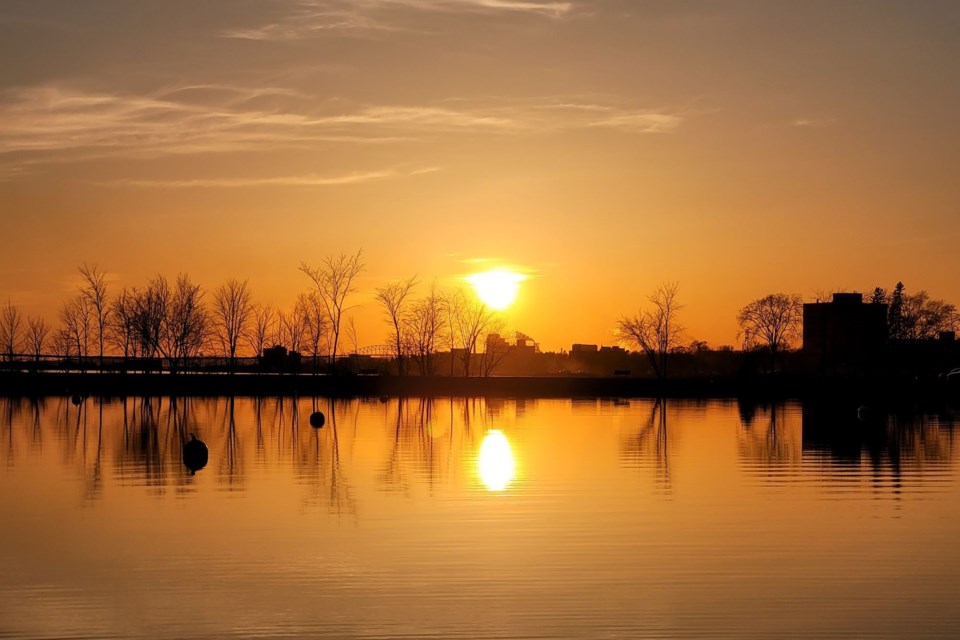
{"points": [[140, 454], [922, 441], [428, 437], [231, 462], [648, 446], [319, 463], [10, 409], [153, 433], [764, 437], [93, 480]]}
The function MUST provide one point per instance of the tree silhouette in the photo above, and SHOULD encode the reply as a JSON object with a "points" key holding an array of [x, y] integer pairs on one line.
{"points": [[773, 321], [655, 330], [424, 326], [36, 338], [186, 324], [471, 320], [895, 327], [122, 323], [149, 313], [925, 317], [879, 296], [334, 282], [10, 323], [94, 290], [393, 297], [314, 319], [261, 328], [232, 311], [76, 320]]}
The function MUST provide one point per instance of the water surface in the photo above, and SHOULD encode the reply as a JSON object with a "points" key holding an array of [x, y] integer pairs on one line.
{"points": [[475, 518]]}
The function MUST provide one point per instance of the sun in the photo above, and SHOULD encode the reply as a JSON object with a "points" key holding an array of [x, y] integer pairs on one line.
{"points": [[497, 288]]}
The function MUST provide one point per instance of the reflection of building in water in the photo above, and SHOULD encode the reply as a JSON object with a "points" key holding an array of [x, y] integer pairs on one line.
{"points": [[844, 335], [896, 448]]}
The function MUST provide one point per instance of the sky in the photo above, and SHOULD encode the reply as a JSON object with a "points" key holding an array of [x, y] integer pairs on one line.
{"points": [[601, 147]]}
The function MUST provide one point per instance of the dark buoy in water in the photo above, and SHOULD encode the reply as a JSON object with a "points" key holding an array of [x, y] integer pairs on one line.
{"points": [[76, 399], [317, 419], [384, 398], [194, 454]]}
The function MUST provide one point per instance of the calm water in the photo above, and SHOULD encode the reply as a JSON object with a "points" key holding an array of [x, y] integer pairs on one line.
{"points": [[475, 519]]}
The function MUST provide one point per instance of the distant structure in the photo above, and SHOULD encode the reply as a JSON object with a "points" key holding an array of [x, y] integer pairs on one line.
{"points": [[844, 335]]}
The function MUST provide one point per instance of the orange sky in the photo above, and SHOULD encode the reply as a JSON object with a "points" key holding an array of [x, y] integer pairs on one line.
{"points": [[602, 146]]}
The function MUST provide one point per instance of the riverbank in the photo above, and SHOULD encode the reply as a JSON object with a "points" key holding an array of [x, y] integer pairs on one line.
{"points": [[197, 384]]}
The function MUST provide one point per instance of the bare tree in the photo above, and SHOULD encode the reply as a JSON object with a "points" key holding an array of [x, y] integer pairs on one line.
{"points": [[473, 319], [451, 303], [186, 324], [655, 330], [291, 329], [924, 317], [425, 324], [232, 311], [76, 318], [773, 321], [36, 338], [393, 297], [313, 317], [150, 309], [354, 341], [334, 282], [261, 328], [11, 322], [122, 323], [94, 290], [496, 348]]}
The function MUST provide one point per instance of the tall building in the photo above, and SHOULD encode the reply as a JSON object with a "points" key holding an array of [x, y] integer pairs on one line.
{"points": [[844, 334]]}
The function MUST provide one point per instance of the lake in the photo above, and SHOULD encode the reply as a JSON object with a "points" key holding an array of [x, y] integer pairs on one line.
{"points": [[475, 518]]}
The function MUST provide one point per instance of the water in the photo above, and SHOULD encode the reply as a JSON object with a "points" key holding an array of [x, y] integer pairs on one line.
{"points": [[475, 519]]}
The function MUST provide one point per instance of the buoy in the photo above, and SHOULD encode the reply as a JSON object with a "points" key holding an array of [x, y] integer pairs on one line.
{"points": [[317, 419], [76, 399], [195, 454], [384, 398]]}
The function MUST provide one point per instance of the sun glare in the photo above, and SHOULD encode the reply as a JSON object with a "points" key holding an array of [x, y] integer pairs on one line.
{"points": [[496, 461], [497, 288]]}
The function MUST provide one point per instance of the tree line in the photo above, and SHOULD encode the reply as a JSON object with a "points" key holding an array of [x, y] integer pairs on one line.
{"points": [[178, 320], [774, 323]]}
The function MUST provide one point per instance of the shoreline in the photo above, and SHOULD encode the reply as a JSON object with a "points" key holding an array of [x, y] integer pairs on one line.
{"points": [[873, 389]]}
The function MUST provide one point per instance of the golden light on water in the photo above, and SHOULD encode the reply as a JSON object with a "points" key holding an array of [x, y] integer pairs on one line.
{"points": [[497, 288], [497, 467]]}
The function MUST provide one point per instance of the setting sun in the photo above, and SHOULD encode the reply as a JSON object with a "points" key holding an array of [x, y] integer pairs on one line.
{"points": [[497, 288]]}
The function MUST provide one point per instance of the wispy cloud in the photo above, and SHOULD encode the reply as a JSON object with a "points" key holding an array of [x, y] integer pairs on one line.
{"points": [[311, 18], [50, 118], [53, 123], [210, 118], [307, 180], [641, 122], [813, 122]]}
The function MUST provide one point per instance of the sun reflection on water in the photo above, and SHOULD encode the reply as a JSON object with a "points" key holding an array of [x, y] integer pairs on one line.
{"points": [[496, 465]]}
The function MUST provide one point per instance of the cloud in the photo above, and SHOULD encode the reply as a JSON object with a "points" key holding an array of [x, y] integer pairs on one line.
{"points": [[813, 122], [172, 121], [310, 18], [52, 123], [641, 122], [307, 180]]}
